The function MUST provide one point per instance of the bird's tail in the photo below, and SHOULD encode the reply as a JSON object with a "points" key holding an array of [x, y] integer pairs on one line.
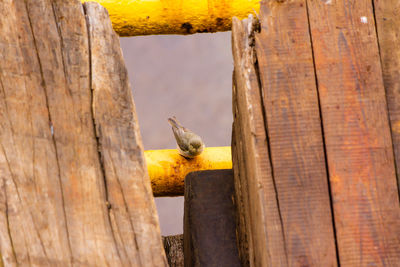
{"points": [[174, 122]]}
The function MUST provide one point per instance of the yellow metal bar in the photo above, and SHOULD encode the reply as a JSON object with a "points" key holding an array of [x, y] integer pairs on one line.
{"points": [[144, 17], [167, 169]]}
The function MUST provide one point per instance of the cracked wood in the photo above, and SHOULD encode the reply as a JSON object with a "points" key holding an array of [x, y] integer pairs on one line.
{"points": [[59, 142], [356, 131], [318, 64], [293, 126], [259, 226]]}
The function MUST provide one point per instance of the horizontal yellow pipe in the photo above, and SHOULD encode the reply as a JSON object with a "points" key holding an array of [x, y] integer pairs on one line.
{"points": [[144, 17], [167, 169]]}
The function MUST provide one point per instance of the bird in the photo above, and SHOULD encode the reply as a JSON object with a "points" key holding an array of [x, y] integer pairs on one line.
{"points": [[190, 144]]}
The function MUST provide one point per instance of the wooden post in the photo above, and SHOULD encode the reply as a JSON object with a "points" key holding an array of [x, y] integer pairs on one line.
{"points": [[259, 242], [357, 134], [388, 30], [312, 153], [209, 220], [73, 183], [293, 126]]}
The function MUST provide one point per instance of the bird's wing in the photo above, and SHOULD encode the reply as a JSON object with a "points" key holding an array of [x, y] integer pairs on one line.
{"points": [[179, 133], [180, 138]]}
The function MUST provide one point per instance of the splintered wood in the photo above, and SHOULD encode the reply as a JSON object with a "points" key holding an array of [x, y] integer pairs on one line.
{"points": [[74, 189], [312, 151]]}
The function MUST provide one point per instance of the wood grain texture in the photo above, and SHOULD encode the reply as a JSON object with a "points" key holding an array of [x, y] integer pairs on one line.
{"points": [[133, 212], [69, 102], [209, 220], [243, 231], [356, 130], [261, 242], [290, 100], [388, 29], [173, 245], [34, 227], [53, 196]]}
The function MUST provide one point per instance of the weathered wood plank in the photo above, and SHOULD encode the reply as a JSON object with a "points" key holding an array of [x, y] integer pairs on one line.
{"points": [[53, 198], [69, 103], [255, 193], [388, 29], [33, 225], [290, 101], [356, 130], [209, 219], [243, 229], [132, 213]]}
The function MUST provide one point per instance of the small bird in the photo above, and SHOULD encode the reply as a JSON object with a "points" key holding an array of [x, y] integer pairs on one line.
{"points": [[189, 143]]}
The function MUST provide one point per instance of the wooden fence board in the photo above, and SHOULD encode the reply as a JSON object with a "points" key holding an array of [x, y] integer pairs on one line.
{"points": [[132, 211], [388, 29], [53, 196], [290, 100], [255, 193], [356, 130], [243, 236], [32, 194], [69, 104]]}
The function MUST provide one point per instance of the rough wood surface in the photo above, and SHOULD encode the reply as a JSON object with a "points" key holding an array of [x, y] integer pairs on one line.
{"points": [[357, 135], [260, 243], [388, 29], [127, 183], [209, 220], [316, 58], [173, 246], [58, 201], [290, 101]]}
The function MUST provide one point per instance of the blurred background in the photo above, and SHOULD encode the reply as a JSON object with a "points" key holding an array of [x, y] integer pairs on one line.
{"points": [[189, 77]]}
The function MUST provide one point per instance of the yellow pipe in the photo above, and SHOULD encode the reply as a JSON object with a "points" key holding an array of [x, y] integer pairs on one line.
{"points": [[167, 169], [144, 17]]}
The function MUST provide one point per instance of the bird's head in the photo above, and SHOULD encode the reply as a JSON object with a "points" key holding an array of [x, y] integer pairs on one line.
{"points": [[195, 146]]}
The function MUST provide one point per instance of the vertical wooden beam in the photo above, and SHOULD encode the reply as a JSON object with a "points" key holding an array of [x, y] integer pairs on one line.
{"points": [[290, 102], [357, 135], [388, 29], [65, 77], [55, 205], [132, 210], [31, 212], [209, 219], [259, 221]]}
